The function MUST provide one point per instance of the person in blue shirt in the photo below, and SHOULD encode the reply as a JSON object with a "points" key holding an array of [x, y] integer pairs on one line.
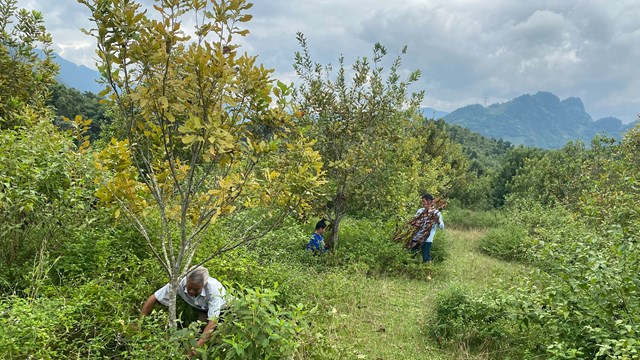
{"points": [[316, 243]]}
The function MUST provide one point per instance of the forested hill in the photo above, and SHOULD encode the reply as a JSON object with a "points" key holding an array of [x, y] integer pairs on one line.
{"points": [[541, 120], [485, 154]]}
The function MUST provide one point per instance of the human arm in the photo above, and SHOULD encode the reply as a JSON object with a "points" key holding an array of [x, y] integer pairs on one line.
{"points": [[206, 333], [148, 305], [215, 304]]}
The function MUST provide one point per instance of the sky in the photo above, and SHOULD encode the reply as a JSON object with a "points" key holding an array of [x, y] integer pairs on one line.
{"points": [[469, 51]]}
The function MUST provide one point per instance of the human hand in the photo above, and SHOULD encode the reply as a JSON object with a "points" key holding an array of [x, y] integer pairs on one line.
{"points": [[194, 350]]}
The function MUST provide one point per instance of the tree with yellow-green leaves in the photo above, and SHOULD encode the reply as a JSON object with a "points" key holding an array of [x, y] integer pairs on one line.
{"points": [[209, 133]]}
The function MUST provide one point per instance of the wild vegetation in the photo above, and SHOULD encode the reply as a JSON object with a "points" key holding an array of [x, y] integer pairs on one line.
{"points": [[202, 157]]}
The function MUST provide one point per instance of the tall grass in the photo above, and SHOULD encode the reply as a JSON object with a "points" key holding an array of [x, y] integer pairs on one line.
{"points": [[471, 219]]}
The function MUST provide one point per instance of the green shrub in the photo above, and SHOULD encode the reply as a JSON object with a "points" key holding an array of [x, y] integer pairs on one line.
{"points": [[83, 321], [255, 327], [484, 325], [590, 306], [509, 242], [45, 188], [583, 295], [441, 248], [368, 243], [472, 322]]}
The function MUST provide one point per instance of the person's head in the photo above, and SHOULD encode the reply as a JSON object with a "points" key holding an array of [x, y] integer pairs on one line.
{"points": [[321, 226], [427, 199], [196, 280]]}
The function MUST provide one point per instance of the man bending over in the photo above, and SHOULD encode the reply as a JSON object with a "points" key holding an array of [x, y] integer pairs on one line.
{"points": [[205, 294]]}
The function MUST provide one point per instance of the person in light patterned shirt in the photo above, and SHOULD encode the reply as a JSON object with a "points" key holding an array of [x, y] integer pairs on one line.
{"points": [[427, 200], [205, 294]]}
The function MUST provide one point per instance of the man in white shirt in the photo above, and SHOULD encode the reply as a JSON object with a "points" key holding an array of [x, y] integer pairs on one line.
{"points": [[205, 294]]}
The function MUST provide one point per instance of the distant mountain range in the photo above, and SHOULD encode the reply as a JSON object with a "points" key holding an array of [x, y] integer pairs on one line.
{"points": [[76, 76], [541, 120], [430, 113]]}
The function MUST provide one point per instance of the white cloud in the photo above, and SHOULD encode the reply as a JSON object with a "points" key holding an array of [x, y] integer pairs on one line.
{"points": [[466, 49]]}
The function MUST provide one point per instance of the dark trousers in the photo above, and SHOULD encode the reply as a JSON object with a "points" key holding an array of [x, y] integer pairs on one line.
{"points": [[426, 251]]}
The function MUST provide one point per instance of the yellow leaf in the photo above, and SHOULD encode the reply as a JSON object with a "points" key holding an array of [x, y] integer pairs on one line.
{"points": [[164, 103], [189, 139]]}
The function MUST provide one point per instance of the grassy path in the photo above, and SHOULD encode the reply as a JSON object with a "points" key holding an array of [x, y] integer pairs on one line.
{"points": [[385, 318]]}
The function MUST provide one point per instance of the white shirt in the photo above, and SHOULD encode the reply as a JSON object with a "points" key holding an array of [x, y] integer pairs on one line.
{"points": [[432, 234], [211, 299]]}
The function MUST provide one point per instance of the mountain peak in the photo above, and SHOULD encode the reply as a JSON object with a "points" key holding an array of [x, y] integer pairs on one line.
{"points": [[77, 76], [539, 120], [573, 102]]}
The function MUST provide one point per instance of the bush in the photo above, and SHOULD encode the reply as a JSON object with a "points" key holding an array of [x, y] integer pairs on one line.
{"points": [[255, 327], [368, 244], [440, 250], [509, 242], [88, 320], [486, 326], [463, 321], [45, 188], [581, 301], [589, 307]]}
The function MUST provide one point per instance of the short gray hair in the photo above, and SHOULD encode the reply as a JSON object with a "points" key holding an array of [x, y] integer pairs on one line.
{"points": [[199, 275]]}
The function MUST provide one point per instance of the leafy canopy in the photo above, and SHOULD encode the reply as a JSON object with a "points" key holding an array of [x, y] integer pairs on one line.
{"points": [[208, 131]]}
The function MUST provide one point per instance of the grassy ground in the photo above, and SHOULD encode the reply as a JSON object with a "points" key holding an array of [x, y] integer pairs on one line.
{"points": [[385, 318]]}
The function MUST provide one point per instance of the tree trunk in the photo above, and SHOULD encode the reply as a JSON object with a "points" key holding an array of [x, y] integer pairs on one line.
{"points": [[338, 210], [173, 292], [335, 229]]}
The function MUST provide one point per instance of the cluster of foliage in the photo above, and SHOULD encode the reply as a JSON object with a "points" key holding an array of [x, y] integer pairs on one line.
{"points": [[512, 163], [508, 242], [207, 129], [479, 324], [25, 77], [577, 225], [258, 328], [46, 195], [439, 149], [69, 103], [464, 218], [483, 159]]}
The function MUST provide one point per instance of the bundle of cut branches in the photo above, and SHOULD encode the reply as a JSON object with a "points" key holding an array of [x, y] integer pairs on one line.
{"points": [[420, 224]]}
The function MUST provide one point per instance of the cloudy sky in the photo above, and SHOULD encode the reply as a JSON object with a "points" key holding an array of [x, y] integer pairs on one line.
{"points": [[469, 51]]}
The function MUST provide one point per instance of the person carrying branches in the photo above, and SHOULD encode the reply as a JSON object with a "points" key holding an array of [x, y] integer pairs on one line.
{"points": [[419, 232]]}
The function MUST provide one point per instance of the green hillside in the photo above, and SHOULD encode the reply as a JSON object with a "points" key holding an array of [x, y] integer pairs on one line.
{"points": [[540, 120]]}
